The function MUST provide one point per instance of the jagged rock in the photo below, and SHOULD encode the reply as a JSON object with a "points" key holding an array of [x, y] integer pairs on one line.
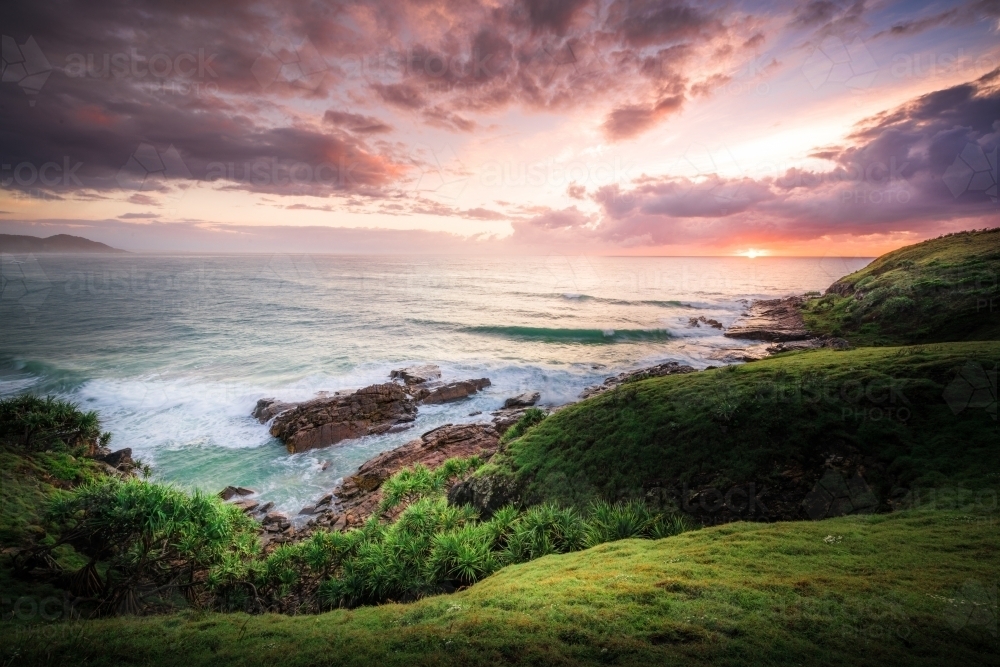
{"points": [[809, 344], [330, 419], [122, 459], [453, 391], [504, 419], [307, 510], [247, 505], [698, 321], [359, 495], [525, 400], [732, 356], [417, 374], [265, 508], [668, 368], [487, 494], [772, 320], [268, 408], [275, 518], [231, 492]]}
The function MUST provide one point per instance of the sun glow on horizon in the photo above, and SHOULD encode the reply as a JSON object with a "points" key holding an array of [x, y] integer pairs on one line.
{"points": [[753, 252]]}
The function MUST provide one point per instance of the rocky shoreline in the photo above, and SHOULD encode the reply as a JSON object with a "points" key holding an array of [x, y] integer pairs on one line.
{"points": [[392, 406]]}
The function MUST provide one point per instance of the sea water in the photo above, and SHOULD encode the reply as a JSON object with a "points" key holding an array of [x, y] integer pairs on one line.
{"points": [[174, 351]]}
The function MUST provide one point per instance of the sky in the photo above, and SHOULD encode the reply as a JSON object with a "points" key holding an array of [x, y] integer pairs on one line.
{"points": [[601, 127]]}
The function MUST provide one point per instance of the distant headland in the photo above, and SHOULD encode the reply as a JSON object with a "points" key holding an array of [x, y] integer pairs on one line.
{"points": [[60, 243]]}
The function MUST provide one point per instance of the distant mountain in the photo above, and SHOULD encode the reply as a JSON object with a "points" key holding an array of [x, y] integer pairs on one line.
{"points": [[58, 243]]}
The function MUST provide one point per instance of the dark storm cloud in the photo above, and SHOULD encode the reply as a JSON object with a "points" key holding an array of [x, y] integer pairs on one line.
{"points": [[218, 90], [554, 15]]}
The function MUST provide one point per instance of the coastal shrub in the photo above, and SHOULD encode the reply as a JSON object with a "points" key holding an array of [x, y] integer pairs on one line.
{"points": [[434, 547], [412, 483], [530, 417], [35, 423], [147, 537]]}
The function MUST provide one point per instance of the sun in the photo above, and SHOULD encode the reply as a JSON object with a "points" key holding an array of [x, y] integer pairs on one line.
{"points": [[753, 252]]}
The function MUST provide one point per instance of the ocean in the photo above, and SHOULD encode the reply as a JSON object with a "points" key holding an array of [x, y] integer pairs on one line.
{"points": [[174, 351]]}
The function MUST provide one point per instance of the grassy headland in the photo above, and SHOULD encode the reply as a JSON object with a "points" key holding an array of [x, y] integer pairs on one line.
{"points": [[898, 410], [944, 289]]}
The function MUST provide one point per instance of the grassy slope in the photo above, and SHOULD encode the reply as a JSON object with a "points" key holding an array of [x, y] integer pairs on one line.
{"points": [[945, 289], [741, 424], [730, 595], [27, 484]]}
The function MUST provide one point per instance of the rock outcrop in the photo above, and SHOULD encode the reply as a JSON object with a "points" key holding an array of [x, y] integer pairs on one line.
{"points": [[772, 320], [417, 374], [763, 350], [359, 496], [231, 492], [809, 344], [269, 408], [698, 321], [330, 419], [668, 368], [525, 400], [487, 494], [119, 460], [453, 391]]}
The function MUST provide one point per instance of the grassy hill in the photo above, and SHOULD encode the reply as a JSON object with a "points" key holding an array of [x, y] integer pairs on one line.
{"points": [[906, 437], [911, 588], [945, 289], [895, 414]]}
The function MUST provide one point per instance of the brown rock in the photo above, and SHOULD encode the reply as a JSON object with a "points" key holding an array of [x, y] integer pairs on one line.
{"points": [[268, 408], [328, 420], [417, 374], [247, 505], [698, 321], [668, 368], [452, 391], [121, 460], [231, 492], [525, 400], [359, 496], [773, 320]]}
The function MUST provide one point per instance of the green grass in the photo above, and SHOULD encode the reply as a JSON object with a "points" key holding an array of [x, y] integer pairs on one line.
{"points": [[743, 424], [878, 590], [945, 289]]}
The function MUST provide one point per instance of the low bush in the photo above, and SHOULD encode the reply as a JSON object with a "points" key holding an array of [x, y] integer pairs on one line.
{"points": [[530, 417], [37, 424]]}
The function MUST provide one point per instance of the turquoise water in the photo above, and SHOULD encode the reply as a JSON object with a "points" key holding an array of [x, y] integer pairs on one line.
{"points": [[174, 351]]}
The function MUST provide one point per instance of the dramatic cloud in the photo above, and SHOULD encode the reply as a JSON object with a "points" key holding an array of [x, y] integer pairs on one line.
{"points": [[549, 121], [930, 160]]}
